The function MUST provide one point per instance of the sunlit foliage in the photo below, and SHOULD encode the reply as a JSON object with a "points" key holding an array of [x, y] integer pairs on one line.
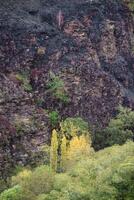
{"points": [[107, 175], [21, 177], [74, 126], [54, 151], [63, 159], [78, 147]]}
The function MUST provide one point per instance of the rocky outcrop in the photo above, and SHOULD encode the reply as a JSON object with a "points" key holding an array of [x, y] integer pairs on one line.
{"points": [[88, 44]]}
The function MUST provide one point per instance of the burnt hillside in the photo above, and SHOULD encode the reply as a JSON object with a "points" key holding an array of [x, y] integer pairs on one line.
{"points": [[88, 44]]}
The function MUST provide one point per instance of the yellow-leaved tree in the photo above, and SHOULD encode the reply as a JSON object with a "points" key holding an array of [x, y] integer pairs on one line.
{"points": [[54, 151], [63, 159], [79, 147]]}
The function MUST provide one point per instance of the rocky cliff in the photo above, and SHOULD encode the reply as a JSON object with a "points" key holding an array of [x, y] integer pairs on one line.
{"points": [[88, 44]]}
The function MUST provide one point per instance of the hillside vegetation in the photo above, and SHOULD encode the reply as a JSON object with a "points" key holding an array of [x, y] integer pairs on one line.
{"points": [[74, 171], [107, 175], [66, 99]]}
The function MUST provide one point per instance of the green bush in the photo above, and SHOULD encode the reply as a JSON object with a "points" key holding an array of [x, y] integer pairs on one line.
{"points": [[34, 183], [57, 88], [101, 177], [123, 179], [107, 175], [54, 118], [21, 178], [74, 126], [61, 181], [41, 180], [42, 197], [119, 130], [14, 193], [54, 195]]}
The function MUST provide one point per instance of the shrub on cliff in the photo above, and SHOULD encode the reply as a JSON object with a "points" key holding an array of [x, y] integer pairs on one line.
{"points": [[54, 118], [57, 88]]}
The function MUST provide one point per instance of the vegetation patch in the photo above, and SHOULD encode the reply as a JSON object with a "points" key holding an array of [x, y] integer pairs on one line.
{"points": [[119, 130], [54, 118], [24, 80], [74, 127], [57, 88]]}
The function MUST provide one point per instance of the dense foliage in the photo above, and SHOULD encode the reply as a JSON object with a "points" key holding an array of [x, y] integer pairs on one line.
{"points": [[119, 130], [76, 171], [107, 174]]}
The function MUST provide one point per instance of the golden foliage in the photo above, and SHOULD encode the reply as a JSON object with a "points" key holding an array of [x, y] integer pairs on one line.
{"points": [[54, 151], [21, 177], [79, 146], [63, 153]]}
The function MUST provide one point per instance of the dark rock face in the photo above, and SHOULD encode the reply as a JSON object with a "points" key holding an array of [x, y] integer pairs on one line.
{"points": [[87, 43]]}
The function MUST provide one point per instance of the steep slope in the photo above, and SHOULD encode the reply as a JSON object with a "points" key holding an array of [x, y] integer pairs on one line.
{"points": [[87, 43]]}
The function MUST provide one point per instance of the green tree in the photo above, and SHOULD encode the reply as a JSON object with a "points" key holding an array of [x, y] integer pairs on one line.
{"points": [[74, 127], [119, 130], [54, 151]]}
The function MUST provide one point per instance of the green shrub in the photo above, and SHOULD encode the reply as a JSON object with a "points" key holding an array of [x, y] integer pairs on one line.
{"points": [[61, 181], [107, 175], [34, 183], [21, 178], [54, 118], [54, 195], [119, 130], [74, 126], [100, 176], [14, 193], [123, 179], [57, 88], [42, 197], [41, 180]]}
